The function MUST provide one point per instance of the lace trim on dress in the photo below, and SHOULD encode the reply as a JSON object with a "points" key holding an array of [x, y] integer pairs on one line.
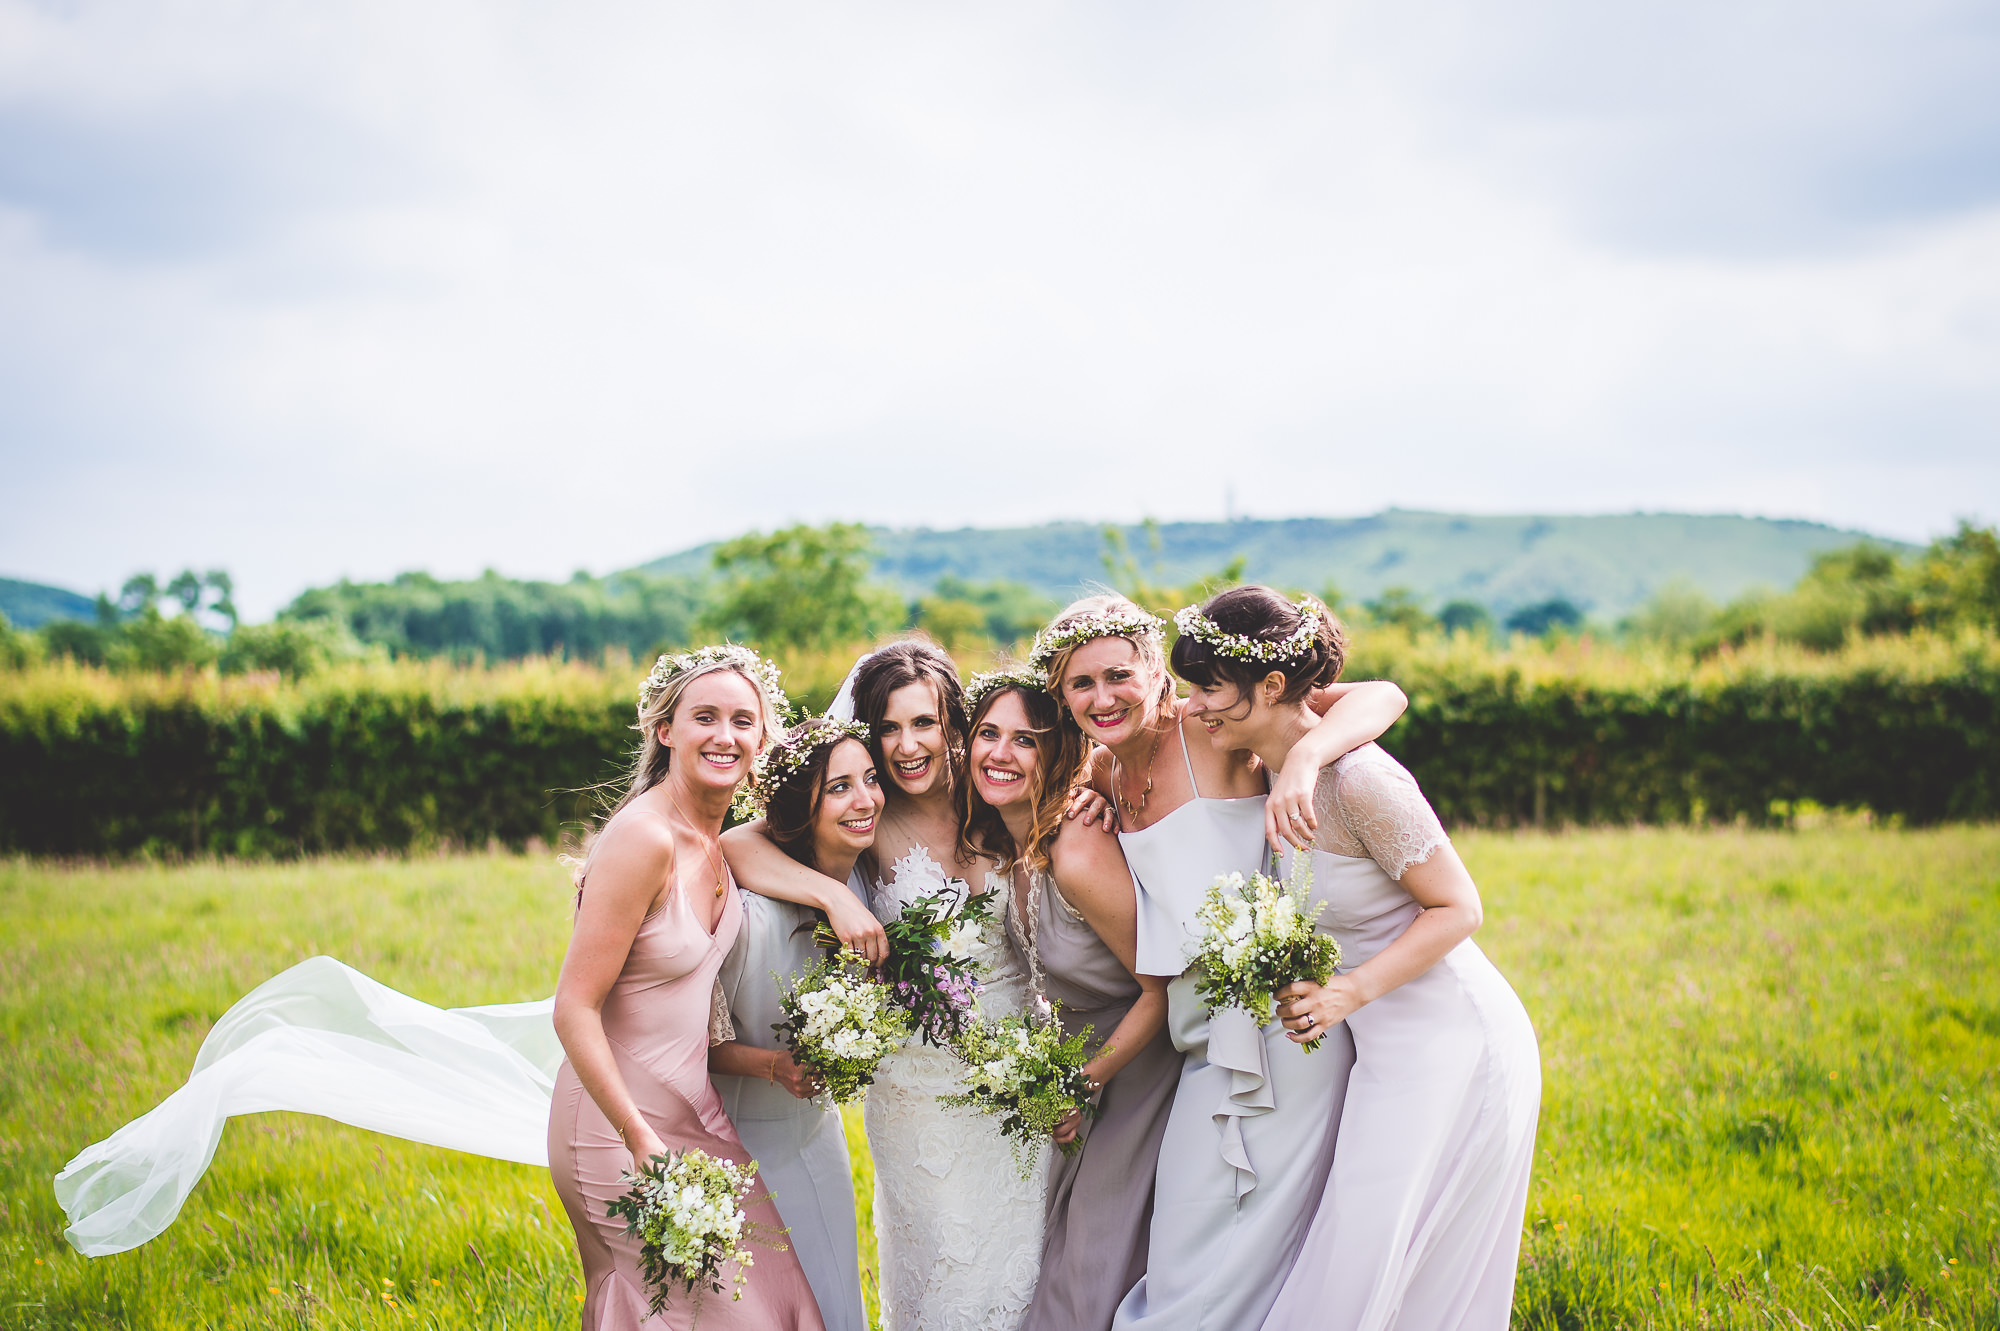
{"points": [[1370, 807], [721, 1030]]}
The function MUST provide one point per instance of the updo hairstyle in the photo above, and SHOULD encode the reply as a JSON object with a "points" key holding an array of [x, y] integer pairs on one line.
{"points": [[1263, 616]]}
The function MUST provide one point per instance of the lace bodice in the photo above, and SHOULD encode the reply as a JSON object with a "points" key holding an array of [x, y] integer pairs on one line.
{"points": [[959, 1232], [1370, 807]]}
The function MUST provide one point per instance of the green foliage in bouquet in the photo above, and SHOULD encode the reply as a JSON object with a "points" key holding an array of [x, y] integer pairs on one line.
{"points": [[686, 1207], [1257, 936], [839, 1025], [929, 971], [1024, 1070]]}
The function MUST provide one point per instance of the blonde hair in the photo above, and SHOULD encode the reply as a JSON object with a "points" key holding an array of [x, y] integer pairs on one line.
{"points": [[652, 762], [1151, 652]]}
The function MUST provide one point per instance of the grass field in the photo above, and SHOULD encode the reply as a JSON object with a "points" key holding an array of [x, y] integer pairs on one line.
{"points": [[1771, 1077]]}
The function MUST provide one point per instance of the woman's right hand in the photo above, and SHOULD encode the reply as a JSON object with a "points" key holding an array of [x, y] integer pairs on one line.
{"points": [[644, 1142], [786, 1073], [856, 926]]}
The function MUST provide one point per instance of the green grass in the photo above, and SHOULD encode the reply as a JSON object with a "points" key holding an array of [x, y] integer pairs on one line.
{"points": [[1770, 1062]]}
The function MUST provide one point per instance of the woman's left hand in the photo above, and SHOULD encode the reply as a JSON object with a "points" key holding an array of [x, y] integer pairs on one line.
{"points": [[1288, 812], [1309, 1009], [1092, 806], [1066, 1130]]}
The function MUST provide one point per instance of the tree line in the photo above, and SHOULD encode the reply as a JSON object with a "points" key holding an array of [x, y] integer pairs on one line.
{"points": [[806, 589]]}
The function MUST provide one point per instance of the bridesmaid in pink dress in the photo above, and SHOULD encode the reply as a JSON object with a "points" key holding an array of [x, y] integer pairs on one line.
{"points": [[655, 918]]}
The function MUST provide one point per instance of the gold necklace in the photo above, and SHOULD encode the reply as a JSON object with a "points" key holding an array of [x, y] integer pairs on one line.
{"points": [[1118, 782], [708, 852]]}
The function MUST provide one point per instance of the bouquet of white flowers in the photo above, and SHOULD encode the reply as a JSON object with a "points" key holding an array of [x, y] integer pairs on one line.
{"points": [[1257, 937], [839, 1026], [687, 1209], [929, 971], [1024, 1070]]}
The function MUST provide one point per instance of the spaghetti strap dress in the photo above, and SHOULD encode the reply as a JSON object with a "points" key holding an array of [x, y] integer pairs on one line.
{"points": [[1249, 1141], [656, 1018], [800, 1146], [1420, 1226], [1101, 1198]]}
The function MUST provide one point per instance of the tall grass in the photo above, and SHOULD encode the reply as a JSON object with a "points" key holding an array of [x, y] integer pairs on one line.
{"points": [[1770, 1060]]}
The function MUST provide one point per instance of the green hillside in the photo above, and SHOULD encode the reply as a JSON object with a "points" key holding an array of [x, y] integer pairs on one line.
{"points": [[30, 605], [1606, 564]]}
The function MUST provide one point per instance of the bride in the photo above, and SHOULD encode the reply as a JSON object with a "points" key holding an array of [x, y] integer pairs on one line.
{"points": [[958, 1230]]}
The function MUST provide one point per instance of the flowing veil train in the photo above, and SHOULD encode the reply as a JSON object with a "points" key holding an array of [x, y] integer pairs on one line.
{"points": [[322, 1038]]}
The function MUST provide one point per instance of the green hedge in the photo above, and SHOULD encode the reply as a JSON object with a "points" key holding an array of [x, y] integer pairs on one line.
{"points": [[405, 756], [381, 758], [1908, 728]]}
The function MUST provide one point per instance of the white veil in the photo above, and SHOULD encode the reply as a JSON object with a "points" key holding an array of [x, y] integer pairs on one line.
{"points": [[842, 706], [322, 1038]]}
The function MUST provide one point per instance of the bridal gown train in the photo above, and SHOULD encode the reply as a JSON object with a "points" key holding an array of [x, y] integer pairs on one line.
{"points": [[1420, 1225], [1250, 1138], [801, 1148], [656, 1018], [958, 1230]]}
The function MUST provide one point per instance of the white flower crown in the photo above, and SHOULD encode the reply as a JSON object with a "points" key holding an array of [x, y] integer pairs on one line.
{"points": [[763, 672], [1237, 646], [1133, 623], [786, 756], [1027, 677]]}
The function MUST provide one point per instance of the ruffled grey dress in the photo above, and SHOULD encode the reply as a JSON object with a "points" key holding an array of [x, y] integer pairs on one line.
{"points": [[801, 1149], [1249, 1141], [1101, 1198]]}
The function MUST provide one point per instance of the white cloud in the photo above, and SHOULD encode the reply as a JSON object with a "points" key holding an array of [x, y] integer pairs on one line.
{"points": [[309, 292]]}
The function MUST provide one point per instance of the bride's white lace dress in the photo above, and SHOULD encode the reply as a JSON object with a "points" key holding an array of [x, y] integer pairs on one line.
{"points": [[958, 1231]]}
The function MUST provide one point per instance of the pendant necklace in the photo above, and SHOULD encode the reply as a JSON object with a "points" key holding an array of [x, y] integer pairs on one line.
{"points": [[708, 851], [1118, 779]]}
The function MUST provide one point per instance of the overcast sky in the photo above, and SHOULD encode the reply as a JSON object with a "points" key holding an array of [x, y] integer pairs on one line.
{"points": [[313, 289]]}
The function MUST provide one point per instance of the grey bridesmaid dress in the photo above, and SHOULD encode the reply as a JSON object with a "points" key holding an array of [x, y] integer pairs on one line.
{"points": [[800, 1148], [1249, 1141], [1100, 1203]]}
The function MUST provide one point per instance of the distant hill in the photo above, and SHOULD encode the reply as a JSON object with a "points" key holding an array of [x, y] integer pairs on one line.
{"points": [[1606, 564], [29, 605]]}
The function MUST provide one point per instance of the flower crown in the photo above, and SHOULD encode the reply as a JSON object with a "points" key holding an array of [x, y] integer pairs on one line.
{"points": [[1130, 623], [764, 673], [1024, 677], [786, 756], [1237, 646]]}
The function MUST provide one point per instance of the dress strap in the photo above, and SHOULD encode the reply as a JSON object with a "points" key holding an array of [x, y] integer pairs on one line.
{"points": [[1180, 727]]}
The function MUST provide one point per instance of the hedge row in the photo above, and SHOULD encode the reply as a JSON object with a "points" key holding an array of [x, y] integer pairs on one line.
{"points": [[421, 755]]}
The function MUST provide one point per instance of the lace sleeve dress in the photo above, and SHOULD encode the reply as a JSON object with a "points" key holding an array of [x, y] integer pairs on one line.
{"points": [[1419, 1226]]}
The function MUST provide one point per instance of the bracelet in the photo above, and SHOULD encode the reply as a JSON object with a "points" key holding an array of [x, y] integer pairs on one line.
{"points": [[771, 1073], [621, 1129]]}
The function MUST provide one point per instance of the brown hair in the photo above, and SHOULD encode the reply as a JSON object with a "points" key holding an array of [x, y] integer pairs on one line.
{"points": [[791, 810], [1263, 615], [1147, 645], [1061, 751]]}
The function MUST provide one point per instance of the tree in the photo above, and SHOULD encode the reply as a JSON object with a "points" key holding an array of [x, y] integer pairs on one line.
{"points": [[1465, 617], [802, 587], [1545, 617], [1144, 588], [1398, 607]]}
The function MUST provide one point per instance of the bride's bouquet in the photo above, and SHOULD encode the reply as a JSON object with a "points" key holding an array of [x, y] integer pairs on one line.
{"points": [[1257, 937], [840, 1026], [1026, 1071], [687, 1209], [930, 972]]}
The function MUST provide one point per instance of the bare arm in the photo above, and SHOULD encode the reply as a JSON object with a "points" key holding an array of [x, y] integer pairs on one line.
{"points": [[1097, 882], [630, 874], [761, 866], [1350, 715], [1451, 915], [733, 1058]]}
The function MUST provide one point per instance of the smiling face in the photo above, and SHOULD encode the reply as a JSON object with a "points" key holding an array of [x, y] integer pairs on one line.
{"points": [[1109, 690], [850, 800], [716, 729], [912, 735], [1004, 754], [1234, 716]]}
